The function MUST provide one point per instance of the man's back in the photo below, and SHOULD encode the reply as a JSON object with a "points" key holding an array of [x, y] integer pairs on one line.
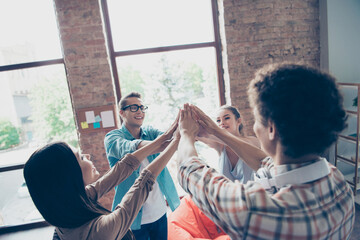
{"points": [[322, 209]]}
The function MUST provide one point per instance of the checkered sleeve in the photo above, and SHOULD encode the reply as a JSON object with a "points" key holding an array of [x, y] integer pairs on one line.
{"points": [[219, 198], [320, 209]]}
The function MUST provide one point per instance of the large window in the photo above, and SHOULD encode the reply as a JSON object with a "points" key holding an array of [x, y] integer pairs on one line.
{"points": [[161, 27], [35, 105], [169, 51]]}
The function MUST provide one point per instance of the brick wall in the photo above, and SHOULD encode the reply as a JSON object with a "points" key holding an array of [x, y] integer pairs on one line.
{"points": [[88, 70], [261, 32]]}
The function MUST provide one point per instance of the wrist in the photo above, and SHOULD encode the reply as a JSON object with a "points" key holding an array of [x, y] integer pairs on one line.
{"points": [[187, 132], [219, 132], [176, 139], [188, 135]]}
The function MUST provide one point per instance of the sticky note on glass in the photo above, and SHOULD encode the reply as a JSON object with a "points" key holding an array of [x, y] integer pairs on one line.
{"points": [[96, 125], [90, 116], [107, 118], [84, 125]]}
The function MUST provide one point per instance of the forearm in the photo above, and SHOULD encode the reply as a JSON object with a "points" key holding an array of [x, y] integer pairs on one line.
{"points": [[129, 207], [212, 191], [212, 142], [249, 153], [117, 146], [156, 166], [148, 148], [186, 148], [113, 177], [145, 143]]}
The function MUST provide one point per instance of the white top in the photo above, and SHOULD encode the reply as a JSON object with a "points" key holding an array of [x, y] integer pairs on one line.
{"points": [[241, 172], [155, 205]]}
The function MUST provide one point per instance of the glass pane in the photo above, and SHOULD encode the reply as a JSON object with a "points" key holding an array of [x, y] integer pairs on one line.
{"points": [[167, 81], [16, 206], [28, 31], [346, 148], [351, 126], [35, 109], [349, 172], [145, 24], [350, 97]]}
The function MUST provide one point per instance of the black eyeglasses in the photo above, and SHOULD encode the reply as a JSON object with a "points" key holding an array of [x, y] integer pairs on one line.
{"points": [[135, 108]]}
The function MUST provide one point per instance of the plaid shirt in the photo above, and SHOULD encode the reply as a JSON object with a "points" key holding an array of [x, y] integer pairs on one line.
{"points": [[322, 209]]}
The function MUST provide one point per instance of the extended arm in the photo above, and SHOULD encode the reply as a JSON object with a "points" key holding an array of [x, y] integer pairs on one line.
{"points": [[211, 141], [120, 220], [118, 143], [189, 129], [166, 135], [124, 168], [209, 190], [249, 153]]}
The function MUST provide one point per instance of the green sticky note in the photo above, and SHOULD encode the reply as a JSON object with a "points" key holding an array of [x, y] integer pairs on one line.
{"points": [[97, 118]]}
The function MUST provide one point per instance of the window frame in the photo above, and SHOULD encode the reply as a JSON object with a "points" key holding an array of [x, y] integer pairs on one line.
{"points": [[216, 44], [20, 66]]}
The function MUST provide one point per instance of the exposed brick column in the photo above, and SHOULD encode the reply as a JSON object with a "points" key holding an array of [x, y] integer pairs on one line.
{"points": [[262, 32], [88, 70]]}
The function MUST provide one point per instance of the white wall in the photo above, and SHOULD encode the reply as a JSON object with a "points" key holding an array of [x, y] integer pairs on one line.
{"points": [[340, 44], [343, 19]]}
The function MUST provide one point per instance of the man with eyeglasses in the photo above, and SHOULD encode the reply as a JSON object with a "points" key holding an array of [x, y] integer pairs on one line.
{"points": [[151, 222]]}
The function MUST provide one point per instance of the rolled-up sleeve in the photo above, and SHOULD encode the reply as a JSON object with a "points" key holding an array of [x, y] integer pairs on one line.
{"points": [[116, 146], [113, 177], [120, 220], [116, 224]]}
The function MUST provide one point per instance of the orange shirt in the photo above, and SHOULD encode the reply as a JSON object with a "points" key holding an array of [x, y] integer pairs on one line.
{"points": [[189, 222]]}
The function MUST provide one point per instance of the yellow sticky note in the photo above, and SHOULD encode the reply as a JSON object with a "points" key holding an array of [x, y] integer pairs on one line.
{"points": [[84, 125]]}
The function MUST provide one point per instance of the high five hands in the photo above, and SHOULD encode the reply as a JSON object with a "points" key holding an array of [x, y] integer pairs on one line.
{"points": [[171, 134], [192, 122], [195, 122], [188, 121]]}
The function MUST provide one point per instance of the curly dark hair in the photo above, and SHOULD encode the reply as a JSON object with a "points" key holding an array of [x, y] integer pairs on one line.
{"points": [[304, 104]]}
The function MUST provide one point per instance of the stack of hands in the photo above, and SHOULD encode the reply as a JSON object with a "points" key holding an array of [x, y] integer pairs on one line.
{"points": [[193, 122]]}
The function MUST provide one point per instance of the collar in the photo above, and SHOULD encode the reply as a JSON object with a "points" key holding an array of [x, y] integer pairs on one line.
{"points": [[279, 169], [290, 174], [129, 135]]}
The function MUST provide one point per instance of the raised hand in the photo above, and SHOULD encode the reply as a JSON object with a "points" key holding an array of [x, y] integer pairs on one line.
{"points": [[187, 122], [189, 129], [202, 133], [170, 132], [204, 120]]}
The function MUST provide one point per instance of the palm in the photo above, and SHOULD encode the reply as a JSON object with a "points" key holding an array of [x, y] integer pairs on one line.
{"points": [[207, 125], [187, 122]]}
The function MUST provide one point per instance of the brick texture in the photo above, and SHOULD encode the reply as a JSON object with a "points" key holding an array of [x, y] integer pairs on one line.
{"points": [[88, 70], [260, 32]]}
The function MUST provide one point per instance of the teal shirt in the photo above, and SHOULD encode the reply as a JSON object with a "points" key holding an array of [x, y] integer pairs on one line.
{"points": [[120, 142]]}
